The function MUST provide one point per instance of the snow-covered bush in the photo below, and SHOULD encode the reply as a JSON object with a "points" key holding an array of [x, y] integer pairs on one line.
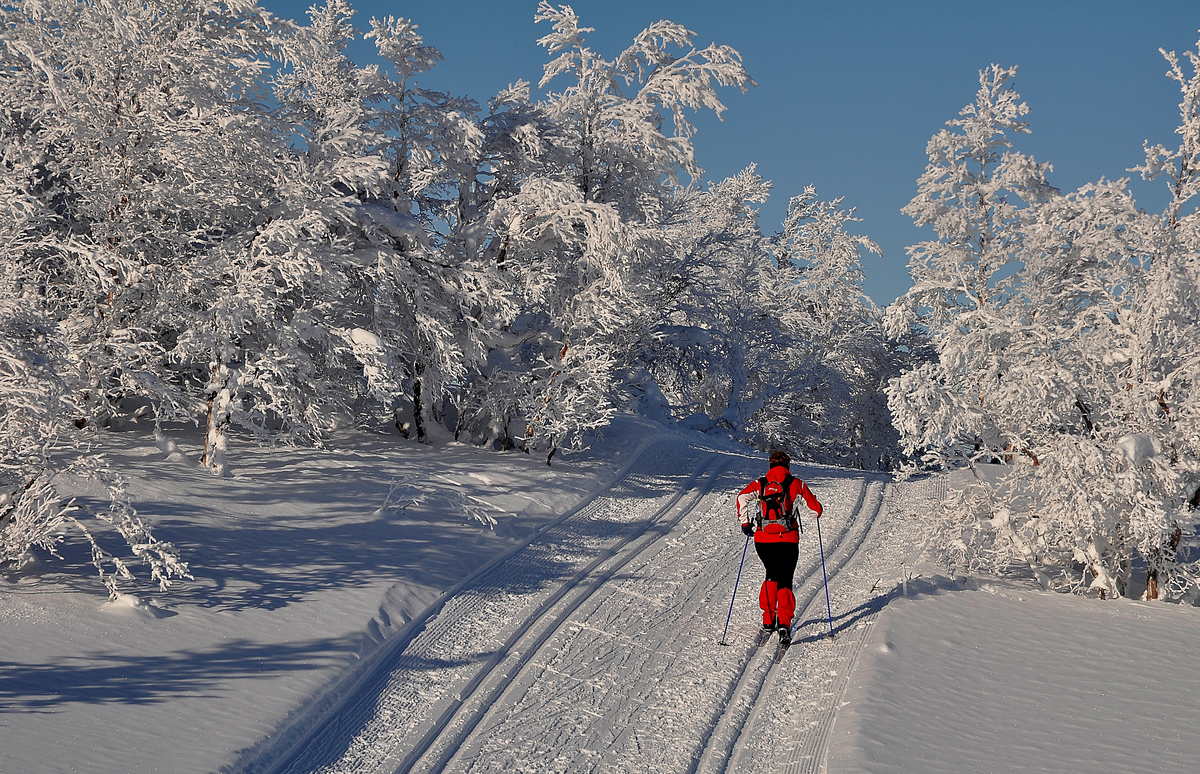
{"points": [[33, 453]]}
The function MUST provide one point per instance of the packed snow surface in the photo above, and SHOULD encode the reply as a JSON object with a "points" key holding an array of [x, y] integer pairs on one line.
{"points": [[1009, 680], [384, 606]]}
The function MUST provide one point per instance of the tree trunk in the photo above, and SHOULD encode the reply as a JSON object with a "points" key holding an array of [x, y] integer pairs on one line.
{"points": [[1156, 572], [418, 420], [219, 400]]}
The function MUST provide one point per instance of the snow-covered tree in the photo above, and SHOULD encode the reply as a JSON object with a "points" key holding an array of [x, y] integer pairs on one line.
{"points": [[837, 333], [440, 296], [30, 420], [138, 132], [1059, 333], [773, 340], [701, 345], [34, 453], [1164, 359], [583, 228], [269, 339], [967, 193], [612, 118]]}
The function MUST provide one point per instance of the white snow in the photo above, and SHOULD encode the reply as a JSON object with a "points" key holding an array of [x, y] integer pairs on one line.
{"points": [[1004, 679], [1139, 447], [365, 339], [395, 224], [353, 611]]}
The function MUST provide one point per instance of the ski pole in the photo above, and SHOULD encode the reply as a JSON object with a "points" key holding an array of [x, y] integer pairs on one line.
{"points": [[828, 607], [735, 588]]}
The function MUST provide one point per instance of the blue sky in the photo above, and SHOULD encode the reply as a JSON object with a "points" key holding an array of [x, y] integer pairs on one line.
{"points": [[849, 93]]}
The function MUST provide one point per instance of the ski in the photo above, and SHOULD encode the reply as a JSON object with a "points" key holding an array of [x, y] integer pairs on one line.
{"points": [[761, 638], [782, 647]]}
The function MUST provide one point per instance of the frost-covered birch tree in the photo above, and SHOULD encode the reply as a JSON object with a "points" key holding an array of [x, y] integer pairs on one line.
{"points": [[772, 339], [441, 298], [710, 332], [836, 333], [1059, 340], [37, 449], [587, 221], [973, 193], [134, 133]]}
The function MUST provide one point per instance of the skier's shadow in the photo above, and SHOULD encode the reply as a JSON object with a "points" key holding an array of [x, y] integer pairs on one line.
{"points": [[845, 620]]}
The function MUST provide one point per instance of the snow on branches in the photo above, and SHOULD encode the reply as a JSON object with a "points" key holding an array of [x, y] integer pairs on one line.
{"points": [[1062, 377]]}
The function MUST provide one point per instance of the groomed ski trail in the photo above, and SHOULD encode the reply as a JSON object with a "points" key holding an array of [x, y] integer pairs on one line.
{"points": [[594, 647], [791, 722], [635, 679]]}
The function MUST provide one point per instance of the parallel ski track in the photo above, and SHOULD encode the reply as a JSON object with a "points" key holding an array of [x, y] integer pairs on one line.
{"points": [[665, 598], [447, 740], [327, 746], [741, 708], [794, 718], [814, 750]]}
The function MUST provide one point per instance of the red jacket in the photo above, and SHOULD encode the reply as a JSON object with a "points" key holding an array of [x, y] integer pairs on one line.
{"points": [[748, 507]]}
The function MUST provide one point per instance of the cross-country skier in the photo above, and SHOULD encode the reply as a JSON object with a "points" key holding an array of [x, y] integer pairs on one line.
{"points": [[769, 508]]}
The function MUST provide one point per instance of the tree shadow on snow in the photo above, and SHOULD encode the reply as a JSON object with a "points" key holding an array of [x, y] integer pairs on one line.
{"points": [[107, 678], [264, 558]]}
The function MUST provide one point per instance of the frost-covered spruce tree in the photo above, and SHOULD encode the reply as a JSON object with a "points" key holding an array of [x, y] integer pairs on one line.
{"points": [[587, 220]]}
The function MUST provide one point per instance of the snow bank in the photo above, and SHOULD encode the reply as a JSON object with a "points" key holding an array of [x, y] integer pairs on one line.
{"points": [[1001, 680]]}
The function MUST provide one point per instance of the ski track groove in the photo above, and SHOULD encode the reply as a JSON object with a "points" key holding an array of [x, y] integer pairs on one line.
{"points": [[308, 728], [551, 657], [402, 700], [600, 571], [611, 661], [467, 758], [738, 724]]}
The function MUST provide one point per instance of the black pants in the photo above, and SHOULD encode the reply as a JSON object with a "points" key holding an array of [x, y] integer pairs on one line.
{"points": [[780, 561]]}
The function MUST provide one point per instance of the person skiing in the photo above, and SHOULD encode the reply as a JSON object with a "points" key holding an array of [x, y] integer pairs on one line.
{"points": [[769, 508]]}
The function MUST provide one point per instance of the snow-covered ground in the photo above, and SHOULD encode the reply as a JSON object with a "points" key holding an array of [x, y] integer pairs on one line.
{"points": [[1002, 679], [356, 610]]}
